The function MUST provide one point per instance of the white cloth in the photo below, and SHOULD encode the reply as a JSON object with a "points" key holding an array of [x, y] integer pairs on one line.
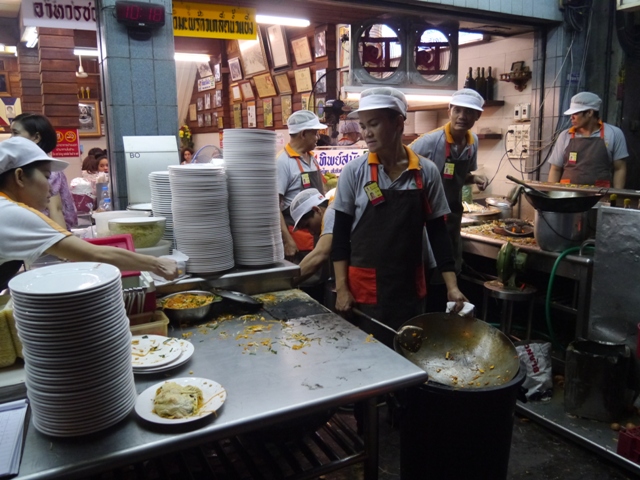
{"points": [[467, 309], [26, 233], [613, 139]]}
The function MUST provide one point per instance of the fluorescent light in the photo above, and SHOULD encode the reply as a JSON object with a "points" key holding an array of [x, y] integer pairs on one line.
{"points": [[30, 36], [85, 52], [286, 21], [191, 57], [415, 96]]}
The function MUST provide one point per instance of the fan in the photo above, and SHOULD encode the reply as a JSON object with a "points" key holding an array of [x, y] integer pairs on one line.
{"points": [[208, 154]]}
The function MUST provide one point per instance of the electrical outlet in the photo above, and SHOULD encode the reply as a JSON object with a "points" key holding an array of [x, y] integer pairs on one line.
{"points": [[518, 143], [517, 113]]}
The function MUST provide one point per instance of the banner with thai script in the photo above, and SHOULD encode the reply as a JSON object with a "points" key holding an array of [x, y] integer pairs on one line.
{"points": [[70, 14], [333, 161], [68, 143], [214, 21]]}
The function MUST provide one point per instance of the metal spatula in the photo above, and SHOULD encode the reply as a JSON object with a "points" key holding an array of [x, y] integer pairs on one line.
{"points": [[409, 336]]}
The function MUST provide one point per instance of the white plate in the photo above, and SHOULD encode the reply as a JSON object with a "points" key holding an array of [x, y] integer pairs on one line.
{"points": [[65, 278], [187, 352], [167, 349], [214, 396]]}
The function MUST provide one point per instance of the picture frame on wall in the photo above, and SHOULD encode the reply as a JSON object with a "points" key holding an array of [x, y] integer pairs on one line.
{"points": [[301, 50], [236, 93], [206, 83], [264, 85], [220, 121], [303, 80], [253, 56], [200, 103], [207, 101], [284, 86], [235, 71], [207, 120], [320, 43], [214, 119], [252, 121], [204, 70], [278, 47], [89, 119], [217, 72], [5, 85], [344, 46], [200, 120], [247, 91], [237, 115], [305, 99], [267, 112], [287, 108], [218, 98], [321, 80], [193, 115]]}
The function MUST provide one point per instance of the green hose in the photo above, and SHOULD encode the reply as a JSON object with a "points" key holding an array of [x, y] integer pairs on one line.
{"points": [[547, 305]]}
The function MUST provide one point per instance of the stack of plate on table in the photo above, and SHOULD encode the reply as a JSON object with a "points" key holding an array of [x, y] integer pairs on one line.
{"points": [[161, 200], [155, 353], [255, 214], [199, 202], [76, 345]]}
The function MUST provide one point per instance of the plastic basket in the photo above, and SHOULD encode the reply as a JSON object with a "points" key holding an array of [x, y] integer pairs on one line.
{"points": [[150, 323], [629, 444]]}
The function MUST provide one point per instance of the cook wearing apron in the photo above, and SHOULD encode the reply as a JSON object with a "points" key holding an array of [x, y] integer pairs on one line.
{"points": [[454, 149], [591, 152], [382, 203]]}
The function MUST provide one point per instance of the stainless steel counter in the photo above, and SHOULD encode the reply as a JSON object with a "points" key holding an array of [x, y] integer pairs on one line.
{"points": [[339, 365], [574, 267]]}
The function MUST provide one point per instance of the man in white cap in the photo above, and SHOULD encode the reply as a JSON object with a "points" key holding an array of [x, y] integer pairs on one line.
{"points": [[591, 152], [383, 201], [350, 134], [27, 233], [297, 170], [454, 149], [313, 212]]}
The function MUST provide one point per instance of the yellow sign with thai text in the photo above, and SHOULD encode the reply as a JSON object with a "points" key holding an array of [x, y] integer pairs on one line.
{"points": [[214, 21]]}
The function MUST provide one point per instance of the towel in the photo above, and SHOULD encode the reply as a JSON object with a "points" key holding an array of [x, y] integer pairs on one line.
{"points": [[467, 309]]}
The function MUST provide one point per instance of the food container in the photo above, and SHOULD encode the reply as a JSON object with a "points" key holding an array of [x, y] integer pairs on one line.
{"points": [[194, 314], [163, 247], [146, 231], [149, 323], [102, 219], [502, 204]]}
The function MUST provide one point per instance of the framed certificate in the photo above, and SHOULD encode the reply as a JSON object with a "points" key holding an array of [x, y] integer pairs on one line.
{"points": [[278, 47], [284, 86], [301, 50], [303, 80]]}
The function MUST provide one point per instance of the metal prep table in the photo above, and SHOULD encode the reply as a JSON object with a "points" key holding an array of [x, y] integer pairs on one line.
{"points": [[341, 365], [574, 267]]}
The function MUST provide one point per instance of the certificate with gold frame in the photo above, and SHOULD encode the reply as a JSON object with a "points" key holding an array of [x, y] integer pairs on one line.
{"points": [[303, 80], [284, 86], [301, 50], [264, 85]]}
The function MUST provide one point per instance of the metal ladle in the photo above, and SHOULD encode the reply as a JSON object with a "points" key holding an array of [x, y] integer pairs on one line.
{"points": [[409, 336]]}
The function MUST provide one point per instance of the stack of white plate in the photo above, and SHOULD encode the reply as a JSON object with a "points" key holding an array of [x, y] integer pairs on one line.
{"points": [[161, 200], [155, 353], [255, 214], [75, 335], [201, 216], [426, 121]]}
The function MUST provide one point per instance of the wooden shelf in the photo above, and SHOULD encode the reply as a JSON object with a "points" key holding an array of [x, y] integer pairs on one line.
{"points": [[489, 136], [494, 103], [444, 106]]}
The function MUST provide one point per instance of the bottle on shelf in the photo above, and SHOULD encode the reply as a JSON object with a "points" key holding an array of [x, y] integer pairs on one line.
{"points": [[489, 86], [613, 199], [627, 203], [481, 83], [469, 82]]}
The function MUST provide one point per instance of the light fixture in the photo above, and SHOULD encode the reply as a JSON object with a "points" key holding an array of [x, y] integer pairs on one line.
{"points": [[30, 36], [286, 21], [415, 96], [87, 52], [191, 57], [81, 73]]}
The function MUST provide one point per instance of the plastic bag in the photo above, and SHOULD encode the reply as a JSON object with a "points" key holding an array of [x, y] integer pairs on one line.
{"points": [[181, 259], [537, 358]]}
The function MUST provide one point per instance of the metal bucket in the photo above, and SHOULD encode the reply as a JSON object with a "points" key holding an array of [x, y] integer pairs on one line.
{"points": [[556, 231]]}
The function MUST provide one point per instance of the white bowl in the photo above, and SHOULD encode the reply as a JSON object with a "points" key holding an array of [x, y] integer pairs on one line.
{"points": [[102, 219], [146, 231], [162, 248]]}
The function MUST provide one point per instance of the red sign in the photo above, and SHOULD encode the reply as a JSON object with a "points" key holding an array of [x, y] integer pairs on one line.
{"points": [[68, 143]]}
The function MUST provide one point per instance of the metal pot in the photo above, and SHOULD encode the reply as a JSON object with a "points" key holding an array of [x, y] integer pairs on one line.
{"points": [[556, 231], [462, 352], [503, 204]]}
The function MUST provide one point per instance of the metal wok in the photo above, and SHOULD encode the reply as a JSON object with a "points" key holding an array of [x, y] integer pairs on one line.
{"points": [[462, 352], [563, 202]]}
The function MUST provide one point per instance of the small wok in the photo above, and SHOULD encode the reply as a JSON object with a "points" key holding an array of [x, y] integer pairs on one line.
{"points": [[563, 202], [462, 352]]}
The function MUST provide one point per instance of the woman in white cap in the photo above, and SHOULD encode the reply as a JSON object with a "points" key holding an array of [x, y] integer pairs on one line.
{"points": [[591, 152], [383, 201], [350, 134], [297, 170], [27, 233], [454, 149]]}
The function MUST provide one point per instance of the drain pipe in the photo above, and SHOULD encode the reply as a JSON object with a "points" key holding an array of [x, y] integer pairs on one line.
{"points": [[607, 59], [543, 47]]}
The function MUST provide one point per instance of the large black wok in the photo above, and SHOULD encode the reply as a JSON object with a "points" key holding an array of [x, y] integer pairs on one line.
{"points": [[462, 352], [563, 202]]}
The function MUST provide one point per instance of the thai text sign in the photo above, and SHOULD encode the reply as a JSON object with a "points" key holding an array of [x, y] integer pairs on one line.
{"points": [[69, 14], [334, 160], [68, 143], [214, 21]]}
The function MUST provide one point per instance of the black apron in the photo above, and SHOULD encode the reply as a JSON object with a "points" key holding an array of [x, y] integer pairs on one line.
{"points": [[386, 272], [8, 270], [586, 161]]}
